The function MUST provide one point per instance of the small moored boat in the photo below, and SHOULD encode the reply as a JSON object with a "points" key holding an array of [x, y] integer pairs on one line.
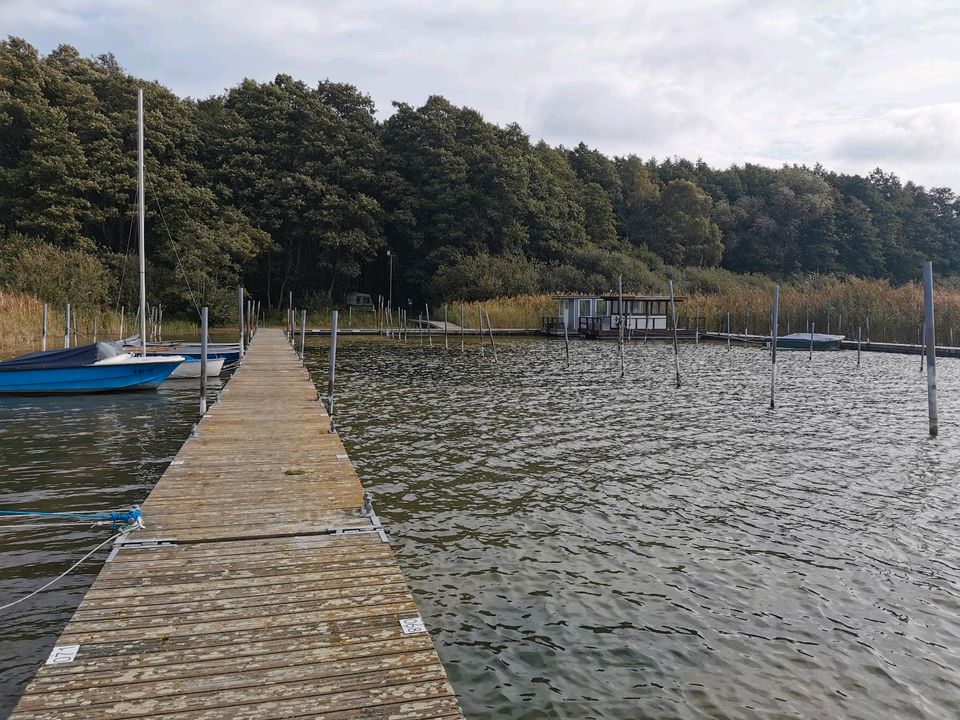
{"points": [[190, 367], [98, 367]]}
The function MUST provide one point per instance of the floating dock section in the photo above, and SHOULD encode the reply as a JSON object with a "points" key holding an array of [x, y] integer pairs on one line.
{"points": [[260, 587]]}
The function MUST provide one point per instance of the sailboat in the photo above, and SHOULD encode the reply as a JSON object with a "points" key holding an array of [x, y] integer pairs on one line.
{"points": [[98, 367]]}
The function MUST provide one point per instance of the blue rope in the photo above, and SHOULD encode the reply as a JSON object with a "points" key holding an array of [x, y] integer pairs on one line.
{"points": [[115, 518]]}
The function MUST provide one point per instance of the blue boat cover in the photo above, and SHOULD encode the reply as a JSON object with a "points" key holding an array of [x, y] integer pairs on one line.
{"points": [[61, 359]]}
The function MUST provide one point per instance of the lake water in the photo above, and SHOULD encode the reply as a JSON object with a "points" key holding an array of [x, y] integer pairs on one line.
{"points": [[584, 545]]}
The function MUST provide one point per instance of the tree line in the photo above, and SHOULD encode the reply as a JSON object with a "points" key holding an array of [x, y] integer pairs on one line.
{"points": [[288, 187]]}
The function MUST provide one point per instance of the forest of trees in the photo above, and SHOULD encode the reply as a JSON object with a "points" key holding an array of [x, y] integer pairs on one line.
{"points": [[285, 186]]}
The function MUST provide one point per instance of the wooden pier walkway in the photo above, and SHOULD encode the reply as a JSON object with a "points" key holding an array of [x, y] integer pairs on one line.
{"points": [[258, 589]]}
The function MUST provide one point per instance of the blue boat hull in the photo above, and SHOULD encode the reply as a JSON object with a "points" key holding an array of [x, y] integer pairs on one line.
{"points": [[86, 379]]}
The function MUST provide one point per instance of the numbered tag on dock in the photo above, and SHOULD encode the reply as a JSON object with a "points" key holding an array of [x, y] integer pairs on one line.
{"points": [[411, 626], [63, 654]]}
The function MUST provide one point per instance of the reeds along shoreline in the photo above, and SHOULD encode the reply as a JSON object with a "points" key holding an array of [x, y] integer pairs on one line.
{"points": [[21, 320], [886, 313], [836, 305]]}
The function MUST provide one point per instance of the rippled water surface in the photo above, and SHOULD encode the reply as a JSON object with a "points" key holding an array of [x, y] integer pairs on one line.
{"points": [[589, 546]]}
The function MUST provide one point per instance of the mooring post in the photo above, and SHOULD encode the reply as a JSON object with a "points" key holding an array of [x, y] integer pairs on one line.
{"points": [[461, 328], [203, 361], [332, 367], [620, 317], [813, 330], [446, 344], [868, 330], [76, 330], [480, 321], [931, 343], [728, 331], [429, 326], [303, 334], [420, 328], [859, 340], [920, 339], [673, 318], [493, 345], [66, 327], [566, 336], [696, 332], [43, 329], [240, 306], [774, 326]]}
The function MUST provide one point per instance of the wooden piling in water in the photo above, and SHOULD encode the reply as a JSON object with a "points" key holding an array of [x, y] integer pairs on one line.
{"points": [[930, 340], [813, 329], [332, 368], [43, 329], [728, 331], [493, 345], [859, 337], [620, 319], [920, 344], [240, 318], [676, 345], [203, 361], [303, 334], [480, 321], [66, 327], [461, 328], [774, 327], [429, 326], [446, 343]]}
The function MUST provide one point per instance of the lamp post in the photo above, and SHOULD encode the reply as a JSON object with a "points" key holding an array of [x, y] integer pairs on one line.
{"points": [[390, 293]]}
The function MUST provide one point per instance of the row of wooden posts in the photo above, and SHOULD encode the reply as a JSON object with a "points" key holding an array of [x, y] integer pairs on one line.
{"points": [[396, 324], [927, 342], [71, 325]]}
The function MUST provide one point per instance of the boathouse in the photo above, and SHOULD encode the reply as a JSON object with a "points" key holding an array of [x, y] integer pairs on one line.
{"points": [[641, 314], [570, 308]]}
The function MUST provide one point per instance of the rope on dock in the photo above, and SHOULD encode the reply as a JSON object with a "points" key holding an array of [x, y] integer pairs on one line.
{"points": [[117, 519], [66, 572]]}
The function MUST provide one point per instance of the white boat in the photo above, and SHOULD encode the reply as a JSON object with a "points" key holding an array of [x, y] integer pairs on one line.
{"points": [[190, 368]]}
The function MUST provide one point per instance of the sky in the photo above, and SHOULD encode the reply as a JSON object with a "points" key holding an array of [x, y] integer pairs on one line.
{"points": [[852, 85]]}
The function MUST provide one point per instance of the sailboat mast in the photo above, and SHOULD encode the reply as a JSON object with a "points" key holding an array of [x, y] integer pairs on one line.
{"points": [[141, 224]]}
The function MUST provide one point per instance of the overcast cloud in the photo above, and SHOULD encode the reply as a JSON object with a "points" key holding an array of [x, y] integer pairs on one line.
{"points": [[852, 85]]}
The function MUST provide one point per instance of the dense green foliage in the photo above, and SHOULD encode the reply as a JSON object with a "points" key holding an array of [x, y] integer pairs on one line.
{"points": [[288, 187]]}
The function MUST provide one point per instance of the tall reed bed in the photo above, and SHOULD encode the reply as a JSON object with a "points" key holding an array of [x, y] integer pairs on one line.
{"points": [[885, 313], [522, 311], [21, 317]]}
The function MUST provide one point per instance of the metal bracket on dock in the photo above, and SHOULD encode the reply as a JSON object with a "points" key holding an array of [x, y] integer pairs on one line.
{"points": [[126, 543]]}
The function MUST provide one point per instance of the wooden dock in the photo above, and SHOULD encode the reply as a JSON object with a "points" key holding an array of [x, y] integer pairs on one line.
{"points": [[259, 588]]}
